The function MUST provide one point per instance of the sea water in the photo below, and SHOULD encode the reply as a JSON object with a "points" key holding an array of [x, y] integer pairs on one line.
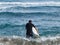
{"points": [[14, 15]]}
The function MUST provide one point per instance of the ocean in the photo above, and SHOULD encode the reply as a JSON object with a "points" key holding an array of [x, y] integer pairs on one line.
{"points": [[45, 16]]}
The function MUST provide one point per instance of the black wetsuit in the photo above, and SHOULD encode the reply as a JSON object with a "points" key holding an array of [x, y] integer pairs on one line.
{"points": [[29, 29]]}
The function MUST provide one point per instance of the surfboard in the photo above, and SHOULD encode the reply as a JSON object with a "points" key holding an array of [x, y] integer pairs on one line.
{"points": [[35, 32]]}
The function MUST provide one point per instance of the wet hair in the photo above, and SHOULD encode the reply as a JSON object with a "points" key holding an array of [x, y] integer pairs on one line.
{"points": [[30, 20]]}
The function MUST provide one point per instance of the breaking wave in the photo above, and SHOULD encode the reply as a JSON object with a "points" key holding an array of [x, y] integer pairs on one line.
{"points": [[17, 40]]}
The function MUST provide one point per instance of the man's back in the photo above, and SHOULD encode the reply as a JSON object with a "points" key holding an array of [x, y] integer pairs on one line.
{"points": [[29, 26]]}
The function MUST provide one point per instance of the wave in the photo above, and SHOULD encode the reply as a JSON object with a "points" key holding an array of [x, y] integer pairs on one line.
{"points": [[24, 12], [31, 4], [2, 26], [17, 40], [30, 13], [28, 4], [28, 7], [17, 14]]}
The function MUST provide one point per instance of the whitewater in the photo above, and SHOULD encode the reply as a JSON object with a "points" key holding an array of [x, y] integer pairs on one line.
{"points": [[28, 4], [16, 40]]}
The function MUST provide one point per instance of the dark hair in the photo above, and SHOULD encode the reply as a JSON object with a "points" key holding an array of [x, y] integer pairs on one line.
{"points": [[30, 20]]}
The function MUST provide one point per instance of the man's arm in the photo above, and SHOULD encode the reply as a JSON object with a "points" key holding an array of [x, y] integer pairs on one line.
{"points": [[33, 25]]}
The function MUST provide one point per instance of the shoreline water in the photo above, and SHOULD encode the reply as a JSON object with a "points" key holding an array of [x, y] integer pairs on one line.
{"points": [[17, 40]]}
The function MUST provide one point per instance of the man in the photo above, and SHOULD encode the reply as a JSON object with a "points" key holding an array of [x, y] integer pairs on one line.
{"points": [[29, 26]]}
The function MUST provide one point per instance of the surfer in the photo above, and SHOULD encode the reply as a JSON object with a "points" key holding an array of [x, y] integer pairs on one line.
{"points": [[29, 26]]}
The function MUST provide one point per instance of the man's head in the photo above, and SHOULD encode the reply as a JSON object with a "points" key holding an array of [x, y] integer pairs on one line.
{"points": [[30, 21]]}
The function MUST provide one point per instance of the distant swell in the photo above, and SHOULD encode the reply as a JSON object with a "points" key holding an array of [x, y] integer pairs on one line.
{"points": [[34, 13], [29, 7]]}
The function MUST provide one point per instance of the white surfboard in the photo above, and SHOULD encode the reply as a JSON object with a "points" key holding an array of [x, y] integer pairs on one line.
{"points": [[35, 33]]}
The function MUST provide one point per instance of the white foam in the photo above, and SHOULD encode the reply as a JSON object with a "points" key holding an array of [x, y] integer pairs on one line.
{"points": [[31, 4], [52, 40], [43, 38]]}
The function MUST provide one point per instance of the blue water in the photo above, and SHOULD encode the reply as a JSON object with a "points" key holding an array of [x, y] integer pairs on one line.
{"points": [[15, 15]]}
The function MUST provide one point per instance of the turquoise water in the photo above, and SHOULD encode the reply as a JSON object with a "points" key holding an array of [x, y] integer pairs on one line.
{"points": [[45, 15], [15, 15]]}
